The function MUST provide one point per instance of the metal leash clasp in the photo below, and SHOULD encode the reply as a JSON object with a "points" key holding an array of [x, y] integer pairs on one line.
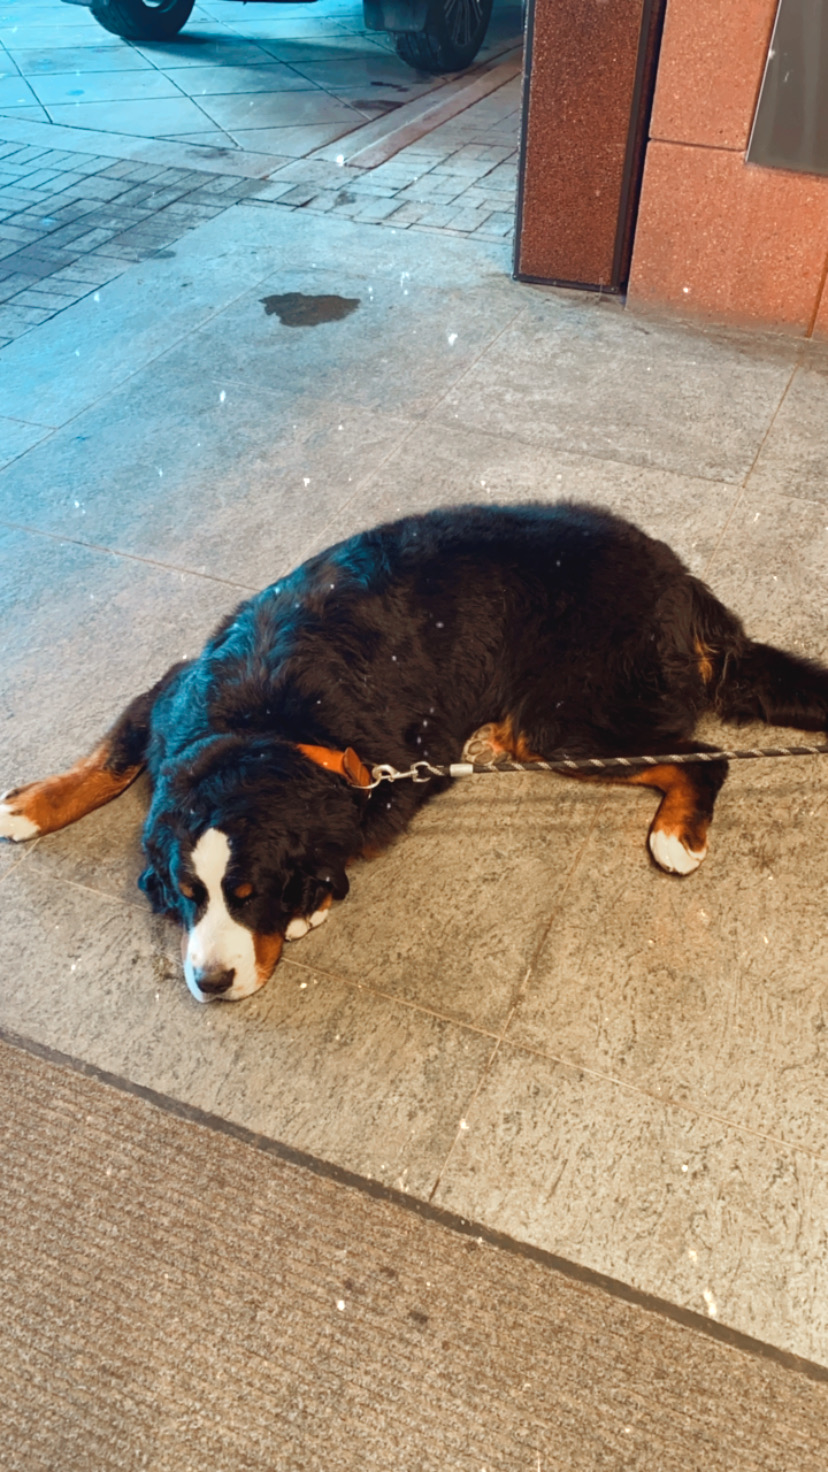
{"points": [[421, 771]]}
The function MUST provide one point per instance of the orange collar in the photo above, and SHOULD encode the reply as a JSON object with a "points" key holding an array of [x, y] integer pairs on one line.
{"points": [[345, 763]]}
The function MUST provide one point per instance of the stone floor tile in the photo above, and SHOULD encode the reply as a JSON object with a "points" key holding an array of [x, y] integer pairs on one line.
{"points": [[793, 460], [402, 307], [115, 87], [212, 81], [274, 110], [467, 219], [17, 436], [174, 114], [90, 58], [502, 850], [113, 338], [714, 1219], [306, 1061], [682, 400], [103, 644], [771, 566], [137, 494], [710, 991], [497, 226], [293, 141], [449, 464]]}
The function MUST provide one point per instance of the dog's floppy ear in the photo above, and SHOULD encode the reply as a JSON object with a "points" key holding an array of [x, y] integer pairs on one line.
{"points": [[158, 893], [158, 845]]}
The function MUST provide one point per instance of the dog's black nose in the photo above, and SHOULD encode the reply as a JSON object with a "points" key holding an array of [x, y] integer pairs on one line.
{"points": [[212, 983]]}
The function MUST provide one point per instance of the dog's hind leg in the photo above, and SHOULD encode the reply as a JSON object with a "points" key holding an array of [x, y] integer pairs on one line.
{"points": [[54, 802], [678, 833]]}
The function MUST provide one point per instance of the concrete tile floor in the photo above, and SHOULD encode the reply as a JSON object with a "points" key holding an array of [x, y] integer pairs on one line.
{"points": [[512, 1014], [110, 152], [228, 70]]}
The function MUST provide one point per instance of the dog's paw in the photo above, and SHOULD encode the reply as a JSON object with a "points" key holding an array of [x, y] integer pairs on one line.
{"points": [[13, 823], [300, 926], [483, 747], [672, 854]]}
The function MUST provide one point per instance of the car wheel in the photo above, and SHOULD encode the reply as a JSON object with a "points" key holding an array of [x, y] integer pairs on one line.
{"points": [[452, 37], [143, 20]]}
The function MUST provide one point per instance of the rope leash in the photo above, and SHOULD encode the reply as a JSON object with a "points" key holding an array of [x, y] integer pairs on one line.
{"points": [[423, 771]]}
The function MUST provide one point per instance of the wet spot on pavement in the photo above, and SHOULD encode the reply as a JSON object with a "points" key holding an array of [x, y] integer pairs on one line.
{"points": [[295, 309]]}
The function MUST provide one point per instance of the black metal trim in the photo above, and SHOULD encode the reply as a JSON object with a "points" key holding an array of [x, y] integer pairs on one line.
{"points": [[641, 107], [528, 39]]}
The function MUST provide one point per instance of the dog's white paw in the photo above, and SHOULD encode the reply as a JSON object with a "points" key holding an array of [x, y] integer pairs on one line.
{"points": [[671, 854], [299, 927], [14, 825]]}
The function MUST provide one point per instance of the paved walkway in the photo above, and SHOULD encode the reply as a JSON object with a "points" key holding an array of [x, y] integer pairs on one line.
{"points": [[513, 1016], [221, 1307], [110, 152]]}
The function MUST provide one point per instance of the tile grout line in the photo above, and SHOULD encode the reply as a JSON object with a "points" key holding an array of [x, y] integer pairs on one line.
{"points": [[64, 537], [441, 400], [368, 479], [744, 485]]}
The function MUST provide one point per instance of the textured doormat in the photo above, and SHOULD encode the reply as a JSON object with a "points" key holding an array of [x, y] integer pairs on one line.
{"points": [[177, 1299]]}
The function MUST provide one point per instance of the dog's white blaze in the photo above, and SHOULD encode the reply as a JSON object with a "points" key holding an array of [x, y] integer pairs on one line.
{"points": [[16, 826], [218, 941], [671, 854]]}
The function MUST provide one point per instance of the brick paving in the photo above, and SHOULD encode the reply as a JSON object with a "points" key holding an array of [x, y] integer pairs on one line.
{"points": [[70, 222], [461, 178]]}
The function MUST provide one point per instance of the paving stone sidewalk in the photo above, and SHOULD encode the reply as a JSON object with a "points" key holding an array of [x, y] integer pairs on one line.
{"points": [[70, 222], [460, 178]]}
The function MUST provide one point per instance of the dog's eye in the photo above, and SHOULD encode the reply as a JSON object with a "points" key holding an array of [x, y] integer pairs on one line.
{"points": [[242, 891], [186, 889]]}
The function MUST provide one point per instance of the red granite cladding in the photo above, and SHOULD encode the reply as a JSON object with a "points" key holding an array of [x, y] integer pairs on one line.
{"points": [[710, 70], [580, 95], [729, 242]]}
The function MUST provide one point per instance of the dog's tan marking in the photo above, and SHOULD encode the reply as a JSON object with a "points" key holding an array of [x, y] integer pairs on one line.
{"points": [[242, 891], [678, 833], [704, 659], [267, 950], [57, 801]]}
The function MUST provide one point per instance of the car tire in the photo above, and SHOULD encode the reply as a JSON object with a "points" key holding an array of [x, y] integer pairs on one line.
{"points": [[143, 20], [452, 37]]}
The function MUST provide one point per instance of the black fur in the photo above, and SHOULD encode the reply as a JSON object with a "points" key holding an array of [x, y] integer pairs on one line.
{"points": [[400, 642]]}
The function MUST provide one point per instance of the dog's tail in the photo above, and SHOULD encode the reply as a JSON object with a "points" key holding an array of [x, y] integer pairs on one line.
{"points": [[762, 683], [751, 681]]}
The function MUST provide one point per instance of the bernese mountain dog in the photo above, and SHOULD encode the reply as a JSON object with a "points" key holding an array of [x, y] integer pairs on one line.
{"points": [[538, 630]]}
